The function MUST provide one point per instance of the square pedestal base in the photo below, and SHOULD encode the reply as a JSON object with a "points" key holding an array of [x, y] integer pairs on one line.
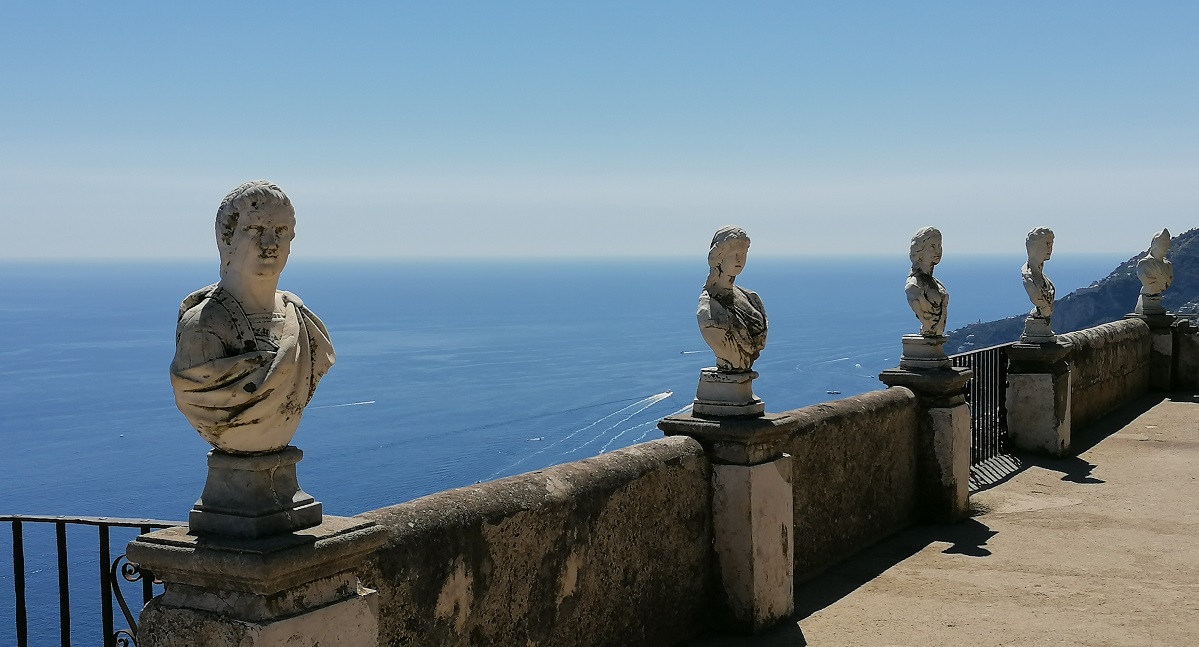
{"points": [[721, 394], [352, 622], [945, 463], [1149, 304], [753, 522], [1038, 412], [1037, 331], [254, 495], [923, 353], [293, 589]]}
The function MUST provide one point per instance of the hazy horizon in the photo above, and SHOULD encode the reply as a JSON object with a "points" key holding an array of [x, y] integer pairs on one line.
{"points": [[536, 129]]}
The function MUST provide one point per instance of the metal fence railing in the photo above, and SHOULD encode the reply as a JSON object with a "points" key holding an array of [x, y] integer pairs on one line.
{"points": [[987, 395], [110, 572]]}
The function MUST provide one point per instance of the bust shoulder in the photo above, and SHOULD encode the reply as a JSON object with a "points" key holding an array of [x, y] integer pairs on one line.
{"points": [[209, 325], [290, 297]]}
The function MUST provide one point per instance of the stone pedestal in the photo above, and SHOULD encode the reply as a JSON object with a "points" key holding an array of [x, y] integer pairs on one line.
{"points": [[943, 444], [722, 394], [1162, 344], [1186, 356], [923, 353], [253, 495], [1038, 398], [752, 524], [1149, 304], [1037, 331], [295, 590], [753, 509]]}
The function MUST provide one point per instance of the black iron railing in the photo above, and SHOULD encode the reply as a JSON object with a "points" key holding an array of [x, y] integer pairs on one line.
{"points": [[987, 395], [111, 571]]}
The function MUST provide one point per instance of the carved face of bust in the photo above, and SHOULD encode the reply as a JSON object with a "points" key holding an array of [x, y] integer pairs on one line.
{"points": [[931, 255], [1041, 248], [261, 241], [731, 256]]}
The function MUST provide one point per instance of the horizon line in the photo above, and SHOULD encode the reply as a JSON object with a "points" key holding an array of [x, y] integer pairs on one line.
{"points": [[766, 256]]}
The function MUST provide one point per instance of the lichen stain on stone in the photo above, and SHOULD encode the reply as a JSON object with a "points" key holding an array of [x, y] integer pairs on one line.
{"points": [[558, 489], [456, 596], [570, 577]]}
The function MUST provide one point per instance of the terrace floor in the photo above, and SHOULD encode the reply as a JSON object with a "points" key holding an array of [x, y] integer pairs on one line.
{"points": [[1100, 549]]}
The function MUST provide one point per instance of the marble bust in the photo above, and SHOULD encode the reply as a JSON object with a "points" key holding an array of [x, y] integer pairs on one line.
{"points": [[731, 319], [926, 295], [1039, 246], [248, 356], [1156, 273]]}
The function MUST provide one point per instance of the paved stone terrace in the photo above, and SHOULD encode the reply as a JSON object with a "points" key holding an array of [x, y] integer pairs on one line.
{"points": [[1100, 549]]}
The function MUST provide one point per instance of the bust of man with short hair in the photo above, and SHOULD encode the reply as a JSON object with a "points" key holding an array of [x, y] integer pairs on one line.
{"points": [[248, 356]]}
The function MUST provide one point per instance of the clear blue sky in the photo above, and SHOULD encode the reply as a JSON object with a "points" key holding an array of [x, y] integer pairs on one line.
{"points": [[408, 129]]}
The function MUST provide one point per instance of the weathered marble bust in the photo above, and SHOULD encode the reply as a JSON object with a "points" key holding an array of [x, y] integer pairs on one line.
{"points": [[732, 319], [248, 356], [1039, 245], [1155, 270], [926, 295]]}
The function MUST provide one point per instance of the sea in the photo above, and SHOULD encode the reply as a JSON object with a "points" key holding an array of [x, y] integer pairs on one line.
{"points": [[448, 373]]}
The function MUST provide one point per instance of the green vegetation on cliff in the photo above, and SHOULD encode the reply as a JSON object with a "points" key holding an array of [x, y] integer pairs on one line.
{"points": [[1103, 301]]}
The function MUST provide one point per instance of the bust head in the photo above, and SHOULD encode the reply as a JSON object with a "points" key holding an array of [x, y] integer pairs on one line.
{"points": [[727, 252], [1039, 244], [925, 251], [1160, 246], [255, 225]]}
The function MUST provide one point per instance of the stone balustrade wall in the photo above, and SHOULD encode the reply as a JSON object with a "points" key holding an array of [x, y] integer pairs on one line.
{"points": [[1109, 367], [617, 549], [854, 475], [613, 550]]}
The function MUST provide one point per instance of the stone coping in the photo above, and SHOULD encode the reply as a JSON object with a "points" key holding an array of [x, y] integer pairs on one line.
{"points": [[1039, 358], [262, 566], [735, 440], [943, 386]]}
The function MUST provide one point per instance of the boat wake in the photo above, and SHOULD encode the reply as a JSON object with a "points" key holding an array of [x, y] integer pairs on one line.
{"points": [[639, 405]]}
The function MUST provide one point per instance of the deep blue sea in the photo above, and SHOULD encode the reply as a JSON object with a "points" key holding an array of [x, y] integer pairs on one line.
{"points": [[448, 373]]}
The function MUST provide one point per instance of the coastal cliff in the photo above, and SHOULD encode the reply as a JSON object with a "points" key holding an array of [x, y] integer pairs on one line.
{"points": [[1104, 301]]}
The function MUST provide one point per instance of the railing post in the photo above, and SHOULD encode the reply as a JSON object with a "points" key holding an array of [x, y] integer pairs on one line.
{"points": [[753, 516], [106, 620], [18, 579], [1038, 397], [64, 584], [943, 438], [1185, 368], [1163, 345]]}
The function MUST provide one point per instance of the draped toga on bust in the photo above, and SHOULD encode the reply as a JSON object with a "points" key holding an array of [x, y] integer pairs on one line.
{"points": [[741, 319], [243, 390], [1155, 274]]}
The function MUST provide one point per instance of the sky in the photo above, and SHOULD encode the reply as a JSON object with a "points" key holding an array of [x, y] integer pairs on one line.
{"points": [[413, 130]]}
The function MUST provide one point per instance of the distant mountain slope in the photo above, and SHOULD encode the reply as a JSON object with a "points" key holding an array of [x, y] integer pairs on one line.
{"points": [[1103, 301]]}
